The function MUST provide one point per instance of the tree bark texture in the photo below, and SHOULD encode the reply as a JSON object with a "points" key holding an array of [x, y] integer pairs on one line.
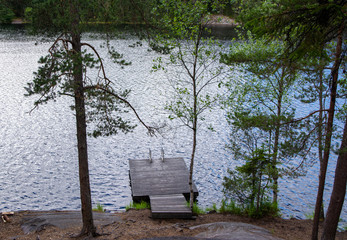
{"points": [[338, 193], [339, 188], [85, 193], [329, 129], [320, 131]]}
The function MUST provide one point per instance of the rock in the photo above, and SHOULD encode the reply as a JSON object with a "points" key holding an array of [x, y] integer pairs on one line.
{"points": [[225, 231], [171, 238], [233, 231], [35, 222]]}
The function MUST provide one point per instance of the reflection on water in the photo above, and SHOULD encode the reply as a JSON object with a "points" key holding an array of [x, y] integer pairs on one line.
{"points": [[38, 151]]}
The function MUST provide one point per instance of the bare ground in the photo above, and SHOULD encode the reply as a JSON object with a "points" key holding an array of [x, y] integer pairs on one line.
{"points": [[137, 224]]}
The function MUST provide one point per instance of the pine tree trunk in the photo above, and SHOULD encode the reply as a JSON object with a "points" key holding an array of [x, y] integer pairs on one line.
{"points": [[320, 130], [329, 129], [338, 193], [85, 194]]}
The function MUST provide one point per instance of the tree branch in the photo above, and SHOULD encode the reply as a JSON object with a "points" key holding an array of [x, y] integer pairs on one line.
{"points": [[309, 115], [151, 130]]}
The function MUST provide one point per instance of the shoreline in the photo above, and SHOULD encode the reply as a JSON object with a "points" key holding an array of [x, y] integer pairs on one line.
{"points": [[138, 224]]}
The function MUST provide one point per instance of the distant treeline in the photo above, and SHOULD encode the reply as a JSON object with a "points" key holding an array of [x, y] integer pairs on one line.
{"points": [[12, 9]]}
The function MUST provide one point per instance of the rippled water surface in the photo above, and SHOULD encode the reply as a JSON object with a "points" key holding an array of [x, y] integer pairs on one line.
{"points": [[38, 151]]}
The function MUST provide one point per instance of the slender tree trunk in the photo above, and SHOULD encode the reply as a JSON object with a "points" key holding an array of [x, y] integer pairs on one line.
{"points": [[338, 193], [195, 120], [276, 141], [191, 169], [329, 130], [195, 116], [258, 191], [320, 130], [85, 194]]}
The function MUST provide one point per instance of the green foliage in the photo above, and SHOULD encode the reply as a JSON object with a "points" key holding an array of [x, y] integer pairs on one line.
{"points": [[192, 57], [183, 19], [99, 208], [16, 6], [309, 216], [63, 72], [230, 207], [138, 206], [259, 104], [54, 78], [213, 208], [249, 184], [6, 14], [28, 14], [196, 209], [55, 16], [266, 208], [304, 25], [181, 36]]}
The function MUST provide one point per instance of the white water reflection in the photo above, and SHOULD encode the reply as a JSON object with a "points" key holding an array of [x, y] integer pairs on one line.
{"points": [[39, 157]]}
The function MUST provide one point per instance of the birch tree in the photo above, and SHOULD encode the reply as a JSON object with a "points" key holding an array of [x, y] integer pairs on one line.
{"points": [[181, 26]]}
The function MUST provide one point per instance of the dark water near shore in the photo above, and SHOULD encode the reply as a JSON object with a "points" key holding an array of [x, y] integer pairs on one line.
{"points": [[38, 161]]}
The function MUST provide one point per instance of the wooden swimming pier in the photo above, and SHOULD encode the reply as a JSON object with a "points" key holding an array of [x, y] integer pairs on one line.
{"points": [[164, 183]]}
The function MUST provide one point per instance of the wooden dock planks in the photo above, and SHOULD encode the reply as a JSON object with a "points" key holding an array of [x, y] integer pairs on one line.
{"points": [[159, 177], [165, 184]]}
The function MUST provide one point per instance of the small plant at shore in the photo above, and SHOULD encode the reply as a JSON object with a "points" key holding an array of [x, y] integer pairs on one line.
{"points": [[196, 209], [99, 208], [212, 209], [266, 208], [138, 206], [309, 215], [230, 207], [247, 188]]}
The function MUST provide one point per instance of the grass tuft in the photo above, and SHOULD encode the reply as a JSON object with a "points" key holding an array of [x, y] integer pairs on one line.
{"points": [[138, 206], [196, 209], [212, 209], [99, 208]]}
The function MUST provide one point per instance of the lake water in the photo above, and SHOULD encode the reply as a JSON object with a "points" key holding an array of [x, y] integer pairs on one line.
{"points": [[38, 160]]}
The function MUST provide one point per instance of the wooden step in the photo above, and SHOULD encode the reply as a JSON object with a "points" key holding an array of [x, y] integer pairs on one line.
{"points": [[169, 206]]}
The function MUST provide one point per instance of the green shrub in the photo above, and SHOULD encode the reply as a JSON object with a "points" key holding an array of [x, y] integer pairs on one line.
{"points": [[266, 208], [99, 208], [138, 206], [233, 208], [6, 14], [247, 188], [28, 14]]}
